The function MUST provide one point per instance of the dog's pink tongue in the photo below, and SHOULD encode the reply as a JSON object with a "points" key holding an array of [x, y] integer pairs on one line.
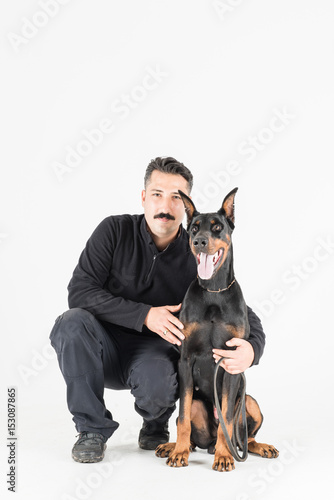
{"points": [[205, 266]]}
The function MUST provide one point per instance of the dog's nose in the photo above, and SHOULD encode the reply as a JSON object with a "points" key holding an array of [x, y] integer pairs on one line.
{"points": [[200, 242]]}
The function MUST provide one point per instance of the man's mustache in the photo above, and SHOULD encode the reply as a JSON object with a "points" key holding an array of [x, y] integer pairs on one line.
{"points": [[164, 216]]}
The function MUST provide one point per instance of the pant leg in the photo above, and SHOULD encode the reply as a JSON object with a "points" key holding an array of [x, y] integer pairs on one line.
{"points": [[149, 364], [93, 355], [85, 354], [154, 385]]}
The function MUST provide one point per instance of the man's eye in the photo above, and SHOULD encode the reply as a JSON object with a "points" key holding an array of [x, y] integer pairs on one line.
{"points": [[217, 228]]}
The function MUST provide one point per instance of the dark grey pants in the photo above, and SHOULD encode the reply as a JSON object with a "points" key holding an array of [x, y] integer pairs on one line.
{"points": [[94, 355]]}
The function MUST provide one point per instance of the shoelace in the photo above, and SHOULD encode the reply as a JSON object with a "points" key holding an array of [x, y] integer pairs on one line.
{"points": [[94, 437]]}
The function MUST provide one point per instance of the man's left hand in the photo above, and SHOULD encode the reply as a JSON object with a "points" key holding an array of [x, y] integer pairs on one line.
{"points": [[236, 361]]}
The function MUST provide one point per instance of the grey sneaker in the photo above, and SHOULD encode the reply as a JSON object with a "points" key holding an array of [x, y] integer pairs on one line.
{"points": [[89, 448]]}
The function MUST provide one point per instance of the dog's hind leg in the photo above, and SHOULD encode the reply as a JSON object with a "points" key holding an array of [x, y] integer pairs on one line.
{"points": [[203, 429], [254, 422]]}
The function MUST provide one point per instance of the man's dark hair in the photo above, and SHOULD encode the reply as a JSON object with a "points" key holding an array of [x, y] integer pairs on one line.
{"points": [[168, 165]]}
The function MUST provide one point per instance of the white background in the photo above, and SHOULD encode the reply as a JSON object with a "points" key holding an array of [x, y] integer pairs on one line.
{"points": [[224, 74]]}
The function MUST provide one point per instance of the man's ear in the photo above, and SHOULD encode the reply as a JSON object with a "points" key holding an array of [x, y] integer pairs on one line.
{"points": [[227, 208], [189, 206], [143, 197]]}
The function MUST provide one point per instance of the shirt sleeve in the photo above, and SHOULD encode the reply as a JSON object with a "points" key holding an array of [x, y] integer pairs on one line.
{"points": [[87, 288], [257, 336]]}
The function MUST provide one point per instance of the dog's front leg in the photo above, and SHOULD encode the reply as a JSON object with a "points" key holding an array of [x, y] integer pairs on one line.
{"points": [[179, 456], [224, 460]]}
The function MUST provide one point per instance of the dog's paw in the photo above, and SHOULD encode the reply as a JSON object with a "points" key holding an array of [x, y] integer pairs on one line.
{"points": [[262, 449], [178, 459], [164, 450], [223, 463]]}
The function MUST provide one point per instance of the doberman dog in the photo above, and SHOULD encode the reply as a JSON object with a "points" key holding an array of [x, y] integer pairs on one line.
{"points": [[213, 311]]}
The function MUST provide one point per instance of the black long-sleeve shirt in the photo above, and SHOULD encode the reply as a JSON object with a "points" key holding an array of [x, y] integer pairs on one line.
{"points": [[121, 275]]}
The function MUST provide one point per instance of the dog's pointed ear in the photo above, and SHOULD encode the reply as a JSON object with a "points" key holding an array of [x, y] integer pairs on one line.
{"points": [[227, 208], [189, 206]]}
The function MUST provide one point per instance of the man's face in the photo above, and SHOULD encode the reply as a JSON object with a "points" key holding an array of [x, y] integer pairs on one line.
{"points": [[163, 206]]}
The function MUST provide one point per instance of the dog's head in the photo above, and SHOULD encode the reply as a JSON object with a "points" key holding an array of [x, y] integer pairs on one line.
{"points": [[210, 234]]}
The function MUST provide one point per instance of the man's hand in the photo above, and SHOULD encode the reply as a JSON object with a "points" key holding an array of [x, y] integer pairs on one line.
{"points": [[161, 319], [239, 360]]}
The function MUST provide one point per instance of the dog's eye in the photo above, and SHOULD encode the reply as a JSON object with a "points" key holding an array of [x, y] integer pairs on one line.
{"points": [[217, 228], [194, 229]]}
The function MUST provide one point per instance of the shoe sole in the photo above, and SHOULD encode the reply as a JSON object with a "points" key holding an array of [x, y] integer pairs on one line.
{"points": [[152, 446], [89, 460]]}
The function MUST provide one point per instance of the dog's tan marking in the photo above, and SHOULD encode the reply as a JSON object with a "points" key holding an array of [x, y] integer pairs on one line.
{"points": [[236, 331], [228, 206], [189, 328], [199, 415], [262, 449], [179, 456], [223, 460]]}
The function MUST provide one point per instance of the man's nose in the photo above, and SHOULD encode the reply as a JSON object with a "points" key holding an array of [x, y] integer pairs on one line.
{"points": [[166, 206]]}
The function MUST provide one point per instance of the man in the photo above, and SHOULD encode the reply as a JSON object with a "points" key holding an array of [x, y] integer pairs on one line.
{"points": [[122, 329]]}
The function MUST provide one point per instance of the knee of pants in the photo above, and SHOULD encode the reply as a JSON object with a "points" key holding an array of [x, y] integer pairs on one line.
{"points": [[74, 340], [154, 385], [69, 327]]}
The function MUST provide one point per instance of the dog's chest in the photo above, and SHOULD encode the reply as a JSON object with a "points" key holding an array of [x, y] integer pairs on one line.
{"points": [[202, 337], [197, 349], [210, 326], [213, 314], [203, 375]]}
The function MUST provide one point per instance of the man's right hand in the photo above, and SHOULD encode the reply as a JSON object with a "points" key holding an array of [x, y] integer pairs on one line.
{"points": [[161, 319]]}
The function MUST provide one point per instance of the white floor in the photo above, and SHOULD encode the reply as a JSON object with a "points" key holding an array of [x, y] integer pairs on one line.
{"points": [[46, 434]]}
